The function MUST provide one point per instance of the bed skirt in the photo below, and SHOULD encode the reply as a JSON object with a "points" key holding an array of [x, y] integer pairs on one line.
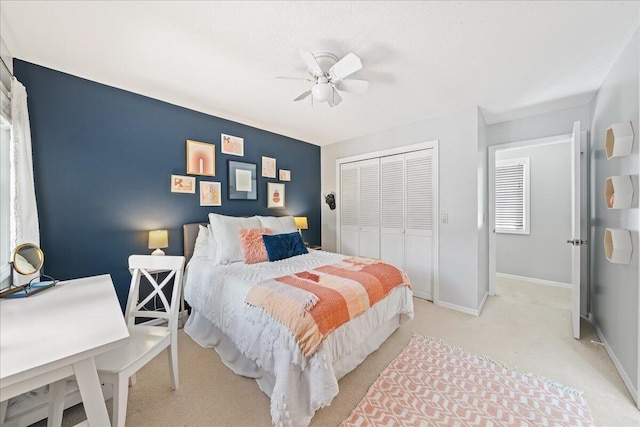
{"points": [[208, 335]]}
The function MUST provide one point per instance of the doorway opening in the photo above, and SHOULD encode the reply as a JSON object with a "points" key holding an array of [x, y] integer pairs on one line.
{"points": [[535, 202]]}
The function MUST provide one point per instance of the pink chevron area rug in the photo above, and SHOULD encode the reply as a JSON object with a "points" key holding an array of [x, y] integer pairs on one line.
{"points": [[434, 384]]}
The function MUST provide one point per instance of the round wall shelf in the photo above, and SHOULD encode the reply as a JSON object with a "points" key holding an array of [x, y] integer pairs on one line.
{"points": [[617, 245], [618, 192], [619, 140]]}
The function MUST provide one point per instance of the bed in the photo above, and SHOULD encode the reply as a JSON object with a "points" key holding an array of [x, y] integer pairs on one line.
{"points": [[254, 344]]}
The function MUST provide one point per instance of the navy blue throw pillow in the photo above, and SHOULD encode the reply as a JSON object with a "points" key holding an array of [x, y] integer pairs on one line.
{"points": [[282, 246]]}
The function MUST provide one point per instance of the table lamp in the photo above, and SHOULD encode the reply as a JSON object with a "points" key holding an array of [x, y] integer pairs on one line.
{"points": [[301, 224], [158, 239]]}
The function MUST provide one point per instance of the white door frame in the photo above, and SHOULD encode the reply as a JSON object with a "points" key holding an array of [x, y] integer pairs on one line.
{"points": [[436, 197], [539, 142]]}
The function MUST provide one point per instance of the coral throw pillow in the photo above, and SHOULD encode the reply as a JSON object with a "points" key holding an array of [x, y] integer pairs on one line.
{"points": [[253, 246]]}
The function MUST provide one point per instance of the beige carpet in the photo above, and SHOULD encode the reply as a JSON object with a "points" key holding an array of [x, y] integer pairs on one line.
{"points": [[527, 327]]}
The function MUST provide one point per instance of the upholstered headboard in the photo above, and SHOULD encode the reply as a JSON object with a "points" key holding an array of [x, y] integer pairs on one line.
{"points": [[190, 232]]}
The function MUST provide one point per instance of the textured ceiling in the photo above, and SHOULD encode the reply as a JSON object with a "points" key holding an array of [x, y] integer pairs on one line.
{"points": [[423, 59]]}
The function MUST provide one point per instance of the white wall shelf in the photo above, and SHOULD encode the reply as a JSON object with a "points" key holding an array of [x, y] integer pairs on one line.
{"points": [[619, 140], [618, 192], [617, 245]]}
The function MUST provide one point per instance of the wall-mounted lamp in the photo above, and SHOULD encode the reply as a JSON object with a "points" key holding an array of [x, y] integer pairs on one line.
{"points": [[301, 224], [158, 239]]}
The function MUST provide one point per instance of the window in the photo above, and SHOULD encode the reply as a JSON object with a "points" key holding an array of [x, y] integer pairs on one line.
{"points": [[512, 196], [5, 210]]}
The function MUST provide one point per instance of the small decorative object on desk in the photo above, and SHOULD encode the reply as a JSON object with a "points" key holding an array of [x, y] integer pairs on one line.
{"points": [[27, 260]]}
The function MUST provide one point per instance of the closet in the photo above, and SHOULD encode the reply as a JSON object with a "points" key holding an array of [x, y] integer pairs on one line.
{"points": [[387, 208]]}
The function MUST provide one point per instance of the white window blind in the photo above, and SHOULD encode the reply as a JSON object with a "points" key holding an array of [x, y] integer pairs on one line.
{"points": [[512, 196]]}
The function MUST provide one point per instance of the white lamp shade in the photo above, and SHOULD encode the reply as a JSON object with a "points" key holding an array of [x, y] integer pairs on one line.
{"points": [[321, 91], [158, 239]]}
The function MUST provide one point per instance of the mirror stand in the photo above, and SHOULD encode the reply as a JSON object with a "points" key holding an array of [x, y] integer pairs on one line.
{"points": [[12, 289], [34, 286], [27, 260]]}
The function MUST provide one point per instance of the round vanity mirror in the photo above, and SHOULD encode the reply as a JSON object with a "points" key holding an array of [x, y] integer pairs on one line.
{"points": [[28, 259]]}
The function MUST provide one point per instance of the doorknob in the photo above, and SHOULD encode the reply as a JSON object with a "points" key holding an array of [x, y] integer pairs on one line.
{"points": [[578, 242]]}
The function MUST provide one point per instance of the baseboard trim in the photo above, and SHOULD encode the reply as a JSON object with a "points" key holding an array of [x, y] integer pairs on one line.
{"points": [[536, 281], [614, 359], [466, 310], [484, 299]]}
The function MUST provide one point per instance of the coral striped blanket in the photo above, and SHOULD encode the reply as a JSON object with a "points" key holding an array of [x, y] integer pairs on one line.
{"points": [[313, 303]]}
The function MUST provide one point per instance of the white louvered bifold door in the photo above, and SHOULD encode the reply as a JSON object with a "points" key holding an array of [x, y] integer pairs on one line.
{"points": [[348, 209], [369, 208], [392, 184], [419, 221]]}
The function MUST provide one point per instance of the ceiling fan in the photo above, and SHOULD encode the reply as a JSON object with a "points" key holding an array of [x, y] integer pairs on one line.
{"points": [[328, 83]]}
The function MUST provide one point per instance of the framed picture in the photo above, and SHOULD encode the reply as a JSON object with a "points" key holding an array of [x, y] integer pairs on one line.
{"points": [[243, 181], [232, 145], [285, 175], [268, 167], [183, 184], [210, 194], [201, 158], [275, 195]]}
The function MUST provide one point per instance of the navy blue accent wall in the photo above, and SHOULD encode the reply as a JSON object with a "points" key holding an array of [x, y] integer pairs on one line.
{"points": [[103, 158]]}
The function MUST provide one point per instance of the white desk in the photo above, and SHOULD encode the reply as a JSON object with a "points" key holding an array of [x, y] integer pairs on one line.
{"points": [[55, 334]]}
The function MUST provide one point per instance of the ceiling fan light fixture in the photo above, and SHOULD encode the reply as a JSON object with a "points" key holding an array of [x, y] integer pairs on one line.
{"points": [[321, 91], [327, 83]]}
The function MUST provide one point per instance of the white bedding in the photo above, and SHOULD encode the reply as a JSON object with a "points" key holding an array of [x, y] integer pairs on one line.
{"points": [[298, 385]]}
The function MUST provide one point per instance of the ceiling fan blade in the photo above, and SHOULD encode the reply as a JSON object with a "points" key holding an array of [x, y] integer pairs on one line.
{"points": [[346, 66], [334, 99], [311, 63], [303, 95], [353, 85], [294, 78]]}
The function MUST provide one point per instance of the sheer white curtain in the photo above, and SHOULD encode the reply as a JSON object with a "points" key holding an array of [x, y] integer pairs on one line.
{"points": [[24, 212]]}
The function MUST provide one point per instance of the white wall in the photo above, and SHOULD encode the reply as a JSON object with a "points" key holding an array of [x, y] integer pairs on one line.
{"points": [[614, 287], [7, 59], [544, 253], [483, 211], [458, 147], [539, 126]]}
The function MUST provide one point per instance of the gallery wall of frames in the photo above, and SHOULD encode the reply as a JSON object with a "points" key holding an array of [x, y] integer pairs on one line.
{"points": [[110, 165]]}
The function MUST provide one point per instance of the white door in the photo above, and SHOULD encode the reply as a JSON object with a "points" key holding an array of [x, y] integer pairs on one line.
{"points": [[392, 186], [369, 208], [576, 240], [349, 209], [419, 219]]}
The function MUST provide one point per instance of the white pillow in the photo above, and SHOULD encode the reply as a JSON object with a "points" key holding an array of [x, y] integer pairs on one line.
{"points": [[226, 230], [278, 224], [212, 245], [201, 247]]}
